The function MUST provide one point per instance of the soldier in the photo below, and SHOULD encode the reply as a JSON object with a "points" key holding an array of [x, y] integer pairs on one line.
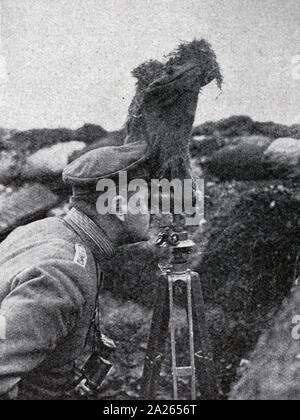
{"points": [[49, 280]]}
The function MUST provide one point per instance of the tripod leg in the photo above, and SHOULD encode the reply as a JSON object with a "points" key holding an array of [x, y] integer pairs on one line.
{"points": [[205, 368], [175, 369], [157, 340], [191, 337]]}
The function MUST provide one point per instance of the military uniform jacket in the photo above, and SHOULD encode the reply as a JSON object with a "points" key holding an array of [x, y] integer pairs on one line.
{"points": [[48, 289]]}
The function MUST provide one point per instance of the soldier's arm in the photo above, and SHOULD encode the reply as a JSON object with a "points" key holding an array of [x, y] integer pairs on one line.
{"points": [[42, 308]]}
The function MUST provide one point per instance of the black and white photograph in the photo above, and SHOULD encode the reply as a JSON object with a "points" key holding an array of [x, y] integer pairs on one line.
{"points": [[149, 203]]}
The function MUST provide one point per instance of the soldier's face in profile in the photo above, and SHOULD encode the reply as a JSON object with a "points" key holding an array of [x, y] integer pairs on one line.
{"points": [[137, 223]]}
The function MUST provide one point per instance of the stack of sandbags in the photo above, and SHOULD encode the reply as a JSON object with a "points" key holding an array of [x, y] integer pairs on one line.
{"points": [[274, 371], [20, 205], [43, 153], [26, 157], [48, 162], [247, 158], [32, 157]]}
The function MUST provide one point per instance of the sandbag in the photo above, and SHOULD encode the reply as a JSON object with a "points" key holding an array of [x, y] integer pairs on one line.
{"points": [[20, 205], [283, 158], [50, 161], [242, 159]]}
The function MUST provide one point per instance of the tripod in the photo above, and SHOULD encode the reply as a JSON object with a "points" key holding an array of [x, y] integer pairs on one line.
{"points": [[201, 366]]}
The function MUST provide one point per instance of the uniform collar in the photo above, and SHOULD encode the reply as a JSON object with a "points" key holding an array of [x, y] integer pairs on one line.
{"points": [[90, 232]]}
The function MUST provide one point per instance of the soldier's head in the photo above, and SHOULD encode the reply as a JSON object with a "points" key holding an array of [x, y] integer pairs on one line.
{"points": [[100, 179]]}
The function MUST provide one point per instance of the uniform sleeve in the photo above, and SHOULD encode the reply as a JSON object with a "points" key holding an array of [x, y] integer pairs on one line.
{"points": [[42, 309]]}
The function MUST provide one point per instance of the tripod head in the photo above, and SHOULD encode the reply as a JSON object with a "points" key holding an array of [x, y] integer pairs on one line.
{"points": [[174, 236]]}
